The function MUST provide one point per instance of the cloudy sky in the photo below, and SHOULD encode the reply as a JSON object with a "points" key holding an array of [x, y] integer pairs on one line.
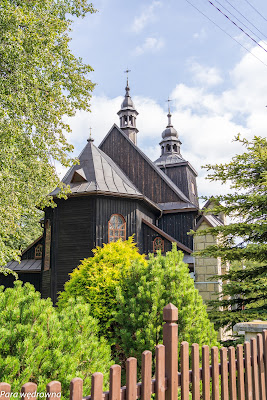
{"points": [[218, 88]]}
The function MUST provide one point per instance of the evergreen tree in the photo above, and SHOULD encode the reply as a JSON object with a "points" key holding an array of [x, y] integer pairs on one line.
{"points": [[39, 343], [243, 241], [145, 290]]}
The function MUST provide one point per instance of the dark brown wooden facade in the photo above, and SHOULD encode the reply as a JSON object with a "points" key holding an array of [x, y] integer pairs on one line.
{"points": [[158, 205]]}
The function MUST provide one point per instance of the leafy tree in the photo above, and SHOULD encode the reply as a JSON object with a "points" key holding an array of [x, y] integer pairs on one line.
{"points": [[145, 290], [97, 278], [40, 344], [243, 241], [41, 81]]}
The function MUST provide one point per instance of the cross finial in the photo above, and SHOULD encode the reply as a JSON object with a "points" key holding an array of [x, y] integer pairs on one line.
{"points": [[168, 101], [127, 72], [90, 136]]}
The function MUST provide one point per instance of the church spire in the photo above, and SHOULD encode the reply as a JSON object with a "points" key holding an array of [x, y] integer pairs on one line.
{"points": [[128, 114], [170, 144]]}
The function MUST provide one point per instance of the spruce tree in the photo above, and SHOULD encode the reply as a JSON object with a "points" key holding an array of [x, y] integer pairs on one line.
{"points": [[243, 241]]}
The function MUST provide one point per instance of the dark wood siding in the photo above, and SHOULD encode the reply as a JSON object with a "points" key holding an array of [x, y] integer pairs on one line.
{"points": [[183, 177], [46, 284], [177, 226], [30, 253], [132, 210], [148, 237], [145, 178], [73, 237], [33, 278]]}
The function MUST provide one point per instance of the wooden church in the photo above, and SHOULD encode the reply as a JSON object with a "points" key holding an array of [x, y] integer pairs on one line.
{"points": [[116, 192]]}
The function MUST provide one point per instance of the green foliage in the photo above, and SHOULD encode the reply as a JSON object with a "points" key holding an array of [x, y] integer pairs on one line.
{"points": [[6, 271], [145, 291], [243, 241], [41, 82], [97, 278], [40, 344]]}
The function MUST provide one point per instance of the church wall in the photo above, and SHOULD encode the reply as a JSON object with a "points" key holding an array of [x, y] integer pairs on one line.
{"points": [[149, 235], [183, 177], [177, 225], [145, 178], [132, 211], [73, 237]]}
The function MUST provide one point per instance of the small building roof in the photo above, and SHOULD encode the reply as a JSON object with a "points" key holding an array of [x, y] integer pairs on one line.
{"points": [[25, 265]]}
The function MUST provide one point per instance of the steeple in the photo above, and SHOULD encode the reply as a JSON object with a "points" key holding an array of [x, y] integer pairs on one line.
{"points": [[128, 114], [170, 145]]}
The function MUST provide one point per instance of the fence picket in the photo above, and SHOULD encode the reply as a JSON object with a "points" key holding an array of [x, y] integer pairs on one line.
{"points": [[248, 377], [76, 389], [170, 341], [255, 373], [146, 375], [261, 367], [205, 373], [29, 390], [264, 336], [160, 372], [240, 372], [53, 390], [185, 371], [195, 372], [232, 373], [115, 382], [224, 374], [5, 390], [131, 378], [215, 373], [97, 386]]}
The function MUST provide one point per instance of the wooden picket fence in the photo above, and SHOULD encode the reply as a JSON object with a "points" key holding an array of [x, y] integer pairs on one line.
{"points": [[241, 374]]}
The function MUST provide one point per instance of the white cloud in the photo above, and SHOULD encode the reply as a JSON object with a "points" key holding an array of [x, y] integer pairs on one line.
{"points": [[150, 44], [206, 76], [206, 121], [201, 35], [146, 17]]}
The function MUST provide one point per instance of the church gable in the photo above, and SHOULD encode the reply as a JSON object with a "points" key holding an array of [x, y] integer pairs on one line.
{"points": [[149, 179]]}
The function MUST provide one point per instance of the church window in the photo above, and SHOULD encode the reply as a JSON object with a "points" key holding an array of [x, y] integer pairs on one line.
{"points": [[175, 147], [116, 228], [38, 252], [168, 147], [158, 244], [162, 149], [131, 119], [125, 120]]}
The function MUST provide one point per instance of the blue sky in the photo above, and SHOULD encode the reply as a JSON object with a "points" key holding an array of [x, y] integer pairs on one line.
{"points": [[218, 89]]}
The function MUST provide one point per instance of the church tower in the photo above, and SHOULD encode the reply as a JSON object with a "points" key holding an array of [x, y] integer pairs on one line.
{"points": [[172, 163], [128, 116]]}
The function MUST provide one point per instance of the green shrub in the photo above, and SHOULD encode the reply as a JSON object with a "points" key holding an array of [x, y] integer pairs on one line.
{"points": [[145, 291], [98, 277], [39, 343]]}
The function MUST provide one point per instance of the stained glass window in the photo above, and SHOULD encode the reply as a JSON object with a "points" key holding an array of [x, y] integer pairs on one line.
{"points": [[158, 244], [116, 228]]}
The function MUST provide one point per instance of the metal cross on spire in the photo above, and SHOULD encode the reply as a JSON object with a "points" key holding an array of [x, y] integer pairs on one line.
{"points": [[168, 101], [90, 136], [127, 72]]}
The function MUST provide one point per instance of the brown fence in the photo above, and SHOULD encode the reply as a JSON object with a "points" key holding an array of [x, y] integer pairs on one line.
{"points": [[241, 374]]}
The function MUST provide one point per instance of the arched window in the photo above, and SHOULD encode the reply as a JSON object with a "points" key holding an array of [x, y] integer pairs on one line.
{"points": [[168, 147], [116, 228], [38, 252], [158, 244], [175, 147]]}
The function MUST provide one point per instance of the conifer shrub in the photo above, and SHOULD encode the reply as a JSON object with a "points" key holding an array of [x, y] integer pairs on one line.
{"points": [[96, 280], [39, 343], [145, 290]]}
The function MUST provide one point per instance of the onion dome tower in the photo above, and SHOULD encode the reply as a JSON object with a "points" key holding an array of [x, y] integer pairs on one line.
{"points": [[128, 115], [170, 146], [174, 165]]}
